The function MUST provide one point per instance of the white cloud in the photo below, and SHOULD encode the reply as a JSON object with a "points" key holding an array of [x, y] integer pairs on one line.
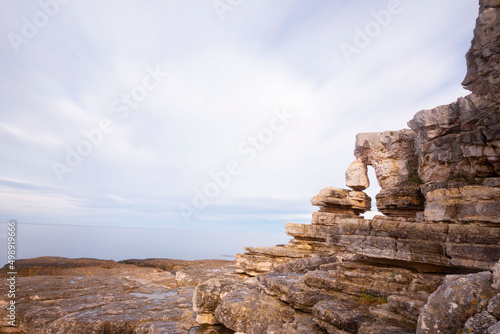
{"points": [[226, 79]]}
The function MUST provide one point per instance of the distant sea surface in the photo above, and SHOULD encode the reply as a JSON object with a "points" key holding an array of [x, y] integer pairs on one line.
{"points": [[120, 243]]}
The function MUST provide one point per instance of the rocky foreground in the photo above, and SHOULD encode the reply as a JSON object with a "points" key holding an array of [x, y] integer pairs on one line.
{"points": [[428, 265], [77, 296]]}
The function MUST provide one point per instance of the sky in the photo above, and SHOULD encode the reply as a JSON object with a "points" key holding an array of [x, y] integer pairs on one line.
{"points": [[225, 115]]}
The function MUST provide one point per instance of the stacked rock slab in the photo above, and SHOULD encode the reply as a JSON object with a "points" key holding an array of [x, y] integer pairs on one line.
{"points": [[429, 265], [334, 204]]}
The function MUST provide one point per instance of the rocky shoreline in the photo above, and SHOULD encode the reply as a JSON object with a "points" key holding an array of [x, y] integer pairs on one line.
{"points": [[428, 265], [61, 295]]}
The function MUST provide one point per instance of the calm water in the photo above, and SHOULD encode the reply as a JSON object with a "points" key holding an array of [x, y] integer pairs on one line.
{"points": [[119, 243]]}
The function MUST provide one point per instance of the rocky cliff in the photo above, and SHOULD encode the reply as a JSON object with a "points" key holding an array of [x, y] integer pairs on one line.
{"points": [[430, 264]]}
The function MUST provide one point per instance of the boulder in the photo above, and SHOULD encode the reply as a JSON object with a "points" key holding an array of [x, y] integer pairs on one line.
{"points": [[479, 323], [357, 176], [453, 303], [249, 311], [291, 289]]}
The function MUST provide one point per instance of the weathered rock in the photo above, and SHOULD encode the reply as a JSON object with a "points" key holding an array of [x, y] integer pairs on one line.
{"points": [[255, 264], [361, 279], [404, 201], [388, 315], [302, 266], [494, 306], [468, 246], [342, 201], [458, 143], [406, 306], [465, 204], [60, 295], [483, 59], [454, 302], [473, 246], [385, 327], [392, 155], [329, 218], [479, 323], [249, 311], [308, 232], [291, 289], [280, 251], [207, 296], [343, 314], [318, 247], [389, 153], [496, 276], [329, 328], [357, 176], [403, 239], [495, 329], [253, 312]]}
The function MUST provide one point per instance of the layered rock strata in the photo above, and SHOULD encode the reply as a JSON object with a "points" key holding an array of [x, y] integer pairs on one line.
{"points": [[84, 296], [307, 242], [393, 157]]}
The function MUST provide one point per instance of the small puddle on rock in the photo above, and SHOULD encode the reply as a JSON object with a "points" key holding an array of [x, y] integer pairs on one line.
{"points": [[154, 295]]}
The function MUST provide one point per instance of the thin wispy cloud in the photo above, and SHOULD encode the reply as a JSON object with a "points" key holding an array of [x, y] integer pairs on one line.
{"points": [[225, 80]]}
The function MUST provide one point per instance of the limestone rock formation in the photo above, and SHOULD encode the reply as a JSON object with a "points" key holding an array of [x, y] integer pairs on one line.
{"points": [[483, 61], [309, 240], [342, 201], [465, 204], [458, 144], [357, 176], [431, 264], [393, 157]]}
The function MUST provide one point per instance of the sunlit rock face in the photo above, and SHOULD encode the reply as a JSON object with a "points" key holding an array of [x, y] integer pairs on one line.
{"points": [[392, 155], [483, 60], [357, 176], [458, 144]]}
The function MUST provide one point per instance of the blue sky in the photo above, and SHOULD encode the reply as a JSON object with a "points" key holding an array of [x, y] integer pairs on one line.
{"points": [[208, 88]]}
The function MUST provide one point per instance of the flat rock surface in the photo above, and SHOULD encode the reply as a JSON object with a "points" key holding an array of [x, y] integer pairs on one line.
{"points": [[60, 295]]}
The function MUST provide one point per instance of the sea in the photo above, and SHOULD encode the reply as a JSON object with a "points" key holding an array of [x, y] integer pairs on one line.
{"points": [[120, 243]]}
